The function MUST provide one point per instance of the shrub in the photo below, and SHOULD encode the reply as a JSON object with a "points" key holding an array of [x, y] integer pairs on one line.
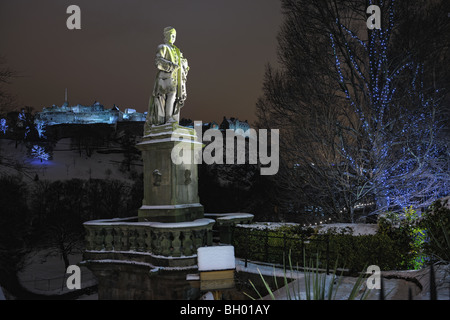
{"points": [[405, 229], [271, 245], [352, 252], [357, 252], [436, 220]]}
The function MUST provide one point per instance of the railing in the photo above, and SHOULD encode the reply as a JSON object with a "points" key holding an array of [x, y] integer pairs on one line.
{"points": [[260, 245], [164, 239]]}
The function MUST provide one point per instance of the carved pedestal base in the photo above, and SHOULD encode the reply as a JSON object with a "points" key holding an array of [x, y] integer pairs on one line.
{"points": [[170, 189], [144, 260]]}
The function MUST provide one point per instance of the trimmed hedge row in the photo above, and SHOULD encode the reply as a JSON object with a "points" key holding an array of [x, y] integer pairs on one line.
{"points": [[337, 250], [405, 240]]}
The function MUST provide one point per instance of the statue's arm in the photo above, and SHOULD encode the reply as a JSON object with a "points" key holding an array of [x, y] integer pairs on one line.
{"points": [[162, 63]]}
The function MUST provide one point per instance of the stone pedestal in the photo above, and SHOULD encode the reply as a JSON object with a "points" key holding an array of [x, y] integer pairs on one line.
{"points": [[170, 189], [149, 256], [144, 260]]}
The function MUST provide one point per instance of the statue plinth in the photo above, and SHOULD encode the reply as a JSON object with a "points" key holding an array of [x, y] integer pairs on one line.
{"points": [[170, 190]]}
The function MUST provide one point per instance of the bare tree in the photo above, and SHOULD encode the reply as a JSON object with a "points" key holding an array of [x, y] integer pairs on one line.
{"points": [[7, 100], [14, 230], [358, 117], [58, 208]]}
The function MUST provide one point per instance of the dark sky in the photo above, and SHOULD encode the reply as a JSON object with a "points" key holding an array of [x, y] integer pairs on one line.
{"points": [[111, 59]]}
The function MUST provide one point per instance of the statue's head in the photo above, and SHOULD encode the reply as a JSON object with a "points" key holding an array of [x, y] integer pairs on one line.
{"points": [[170, 34]]}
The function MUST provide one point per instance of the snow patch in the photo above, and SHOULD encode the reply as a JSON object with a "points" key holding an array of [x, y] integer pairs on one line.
{"points": [[152, 267], [143, 254], [267, 225], [216, 258], [170, 140], [267, 269], [207, 296], [357, 229], [188, 224], [2, 296]]}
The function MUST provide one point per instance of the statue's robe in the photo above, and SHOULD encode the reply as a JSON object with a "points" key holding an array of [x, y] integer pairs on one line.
{"points": [[170, 85]]}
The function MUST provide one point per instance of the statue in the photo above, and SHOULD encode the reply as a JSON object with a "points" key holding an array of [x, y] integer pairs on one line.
{"points": [[169, 92]]}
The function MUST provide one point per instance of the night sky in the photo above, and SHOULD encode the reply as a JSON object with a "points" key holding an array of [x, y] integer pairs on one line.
{"points": [[111, 59]]}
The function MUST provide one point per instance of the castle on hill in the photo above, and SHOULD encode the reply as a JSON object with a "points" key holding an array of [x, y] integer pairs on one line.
{"points": [[97, 113], [79, 114]]}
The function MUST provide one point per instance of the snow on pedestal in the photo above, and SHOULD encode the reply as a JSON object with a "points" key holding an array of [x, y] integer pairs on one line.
{"points": [[216, 258], [216, 266]]}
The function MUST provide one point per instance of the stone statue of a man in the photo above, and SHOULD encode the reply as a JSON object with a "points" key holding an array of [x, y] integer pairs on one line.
{"points": [[169, 92]]}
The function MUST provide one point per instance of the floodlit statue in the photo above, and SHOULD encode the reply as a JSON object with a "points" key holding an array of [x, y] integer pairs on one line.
{"points": [[169, 92]]}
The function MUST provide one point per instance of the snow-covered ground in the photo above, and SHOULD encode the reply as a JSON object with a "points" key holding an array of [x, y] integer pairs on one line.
{"points": [[66, 163], [45, 273], [396, 283], [267, 225], [355, 228]]}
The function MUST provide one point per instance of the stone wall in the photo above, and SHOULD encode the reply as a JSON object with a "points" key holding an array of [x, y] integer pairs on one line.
{"points": [[122, 281]]}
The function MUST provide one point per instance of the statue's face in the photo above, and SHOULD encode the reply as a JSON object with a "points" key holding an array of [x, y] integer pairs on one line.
{"points": [[171, 37]]}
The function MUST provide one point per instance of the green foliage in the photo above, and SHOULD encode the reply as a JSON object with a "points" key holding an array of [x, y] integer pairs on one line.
{"points": [[418, 236], [436, 220], [358, 251], [404, 241], [405, 229], [353, 252]]}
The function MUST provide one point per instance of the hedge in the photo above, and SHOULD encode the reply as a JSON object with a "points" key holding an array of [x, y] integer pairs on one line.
{"points": [[344, 250]]}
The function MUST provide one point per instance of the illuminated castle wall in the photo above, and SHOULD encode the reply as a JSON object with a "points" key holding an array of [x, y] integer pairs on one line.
{"points": [[80, 114]]}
